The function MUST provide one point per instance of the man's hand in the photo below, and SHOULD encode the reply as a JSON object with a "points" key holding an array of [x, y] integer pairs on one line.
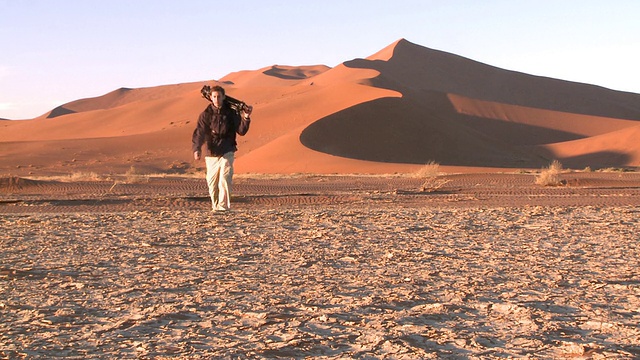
{"points": [[246, 111], [196, 155]]}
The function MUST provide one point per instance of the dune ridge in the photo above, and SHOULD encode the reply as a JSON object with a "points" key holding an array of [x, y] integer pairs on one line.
{"points": [[392, 111]]}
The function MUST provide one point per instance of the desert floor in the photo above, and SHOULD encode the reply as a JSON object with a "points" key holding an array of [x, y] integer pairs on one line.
{"points": [[486, 266]]}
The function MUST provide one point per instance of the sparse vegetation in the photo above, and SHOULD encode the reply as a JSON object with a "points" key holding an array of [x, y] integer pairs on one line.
{"points": [[430, 173], [550, 176], [83, 176], [429, 170], [613, 169], [133, 176]]}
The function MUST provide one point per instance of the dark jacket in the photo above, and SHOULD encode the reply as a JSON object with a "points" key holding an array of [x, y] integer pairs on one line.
{"points": [[218, 130]]}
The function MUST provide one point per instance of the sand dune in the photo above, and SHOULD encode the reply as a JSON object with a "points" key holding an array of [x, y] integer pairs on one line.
{"points": [[390, 112], [617, 147], [124, 96]]}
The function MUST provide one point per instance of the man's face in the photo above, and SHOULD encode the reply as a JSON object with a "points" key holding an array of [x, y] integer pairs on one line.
{"points": [[217, 98]]}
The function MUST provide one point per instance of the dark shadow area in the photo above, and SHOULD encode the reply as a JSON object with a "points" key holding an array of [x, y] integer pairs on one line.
{"points": [[599, 159], [423, 128], [518, 134], [287, 75], [295, 73], [59, 111]]}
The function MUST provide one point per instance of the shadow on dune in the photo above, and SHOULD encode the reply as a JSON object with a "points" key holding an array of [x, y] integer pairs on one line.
{"points": [[600, 159], [294, 73], [416, 130], [423, 125], [284, 75], [406, 131], [427, 128], [59, 111]]}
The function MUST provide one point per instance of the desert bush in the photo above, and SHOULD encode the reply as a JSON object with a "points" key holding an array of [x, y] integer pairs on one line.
{"points": [[430, 172], [614, 169], [83, 176], [550, 176], [133, 176]]}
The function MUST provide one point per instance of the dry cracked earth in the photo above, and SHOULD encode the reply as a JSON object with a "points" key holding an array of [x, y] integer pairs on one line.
{"points": [[486, 267]]}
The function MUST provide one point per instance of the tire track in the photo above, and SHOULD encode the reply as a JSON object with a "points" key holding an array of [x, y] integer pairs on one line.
{"points": [[461, 190]]}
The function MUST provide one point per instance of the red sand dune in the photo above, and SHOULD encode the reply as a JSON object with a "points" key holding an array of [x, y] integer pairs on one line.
{"points": [[391, 112]]}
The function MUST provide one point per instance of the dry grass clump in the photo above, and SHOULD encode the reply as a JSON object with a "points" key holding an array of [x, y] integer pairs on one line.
{"points": [[429, 170], [615, 169], [134, 176], [430, 173], [84, 176], [550, 176], [73, 177]]}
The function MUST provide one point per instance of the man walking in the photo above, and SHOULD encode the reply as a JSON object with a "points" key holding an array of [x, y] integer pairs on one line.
{"points": [[217, 126]]}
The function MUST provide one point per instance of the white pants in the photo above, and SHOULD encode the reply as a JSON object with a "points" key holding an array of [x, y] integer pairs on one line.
{"points": [[219, 177]]}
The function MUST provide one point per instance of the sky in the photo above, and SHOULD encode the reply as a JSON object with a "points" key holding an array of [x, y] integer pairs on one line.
{"points": [[54, 52]]}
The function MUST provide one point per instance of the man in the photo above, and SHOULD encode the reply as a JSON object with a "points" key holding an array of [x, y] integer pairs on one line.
{"points": [[217, 126]]}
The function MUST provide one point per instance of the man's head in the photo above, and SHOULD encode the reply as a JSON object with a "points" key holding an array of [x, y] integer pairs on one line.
{"points": [[217, 96]]}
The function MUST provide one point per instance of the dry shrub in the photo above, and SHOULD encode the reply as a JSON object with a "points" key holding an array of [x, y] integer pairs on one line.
{"points": [[83, 176], [429, 170], [133, 176], [430, 174], [550, 176], [614, 169]]}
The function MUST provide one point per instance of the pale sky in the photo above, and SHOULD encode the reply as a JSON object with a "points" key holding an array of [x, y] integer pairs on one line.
{"points": [[56, 51]]}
